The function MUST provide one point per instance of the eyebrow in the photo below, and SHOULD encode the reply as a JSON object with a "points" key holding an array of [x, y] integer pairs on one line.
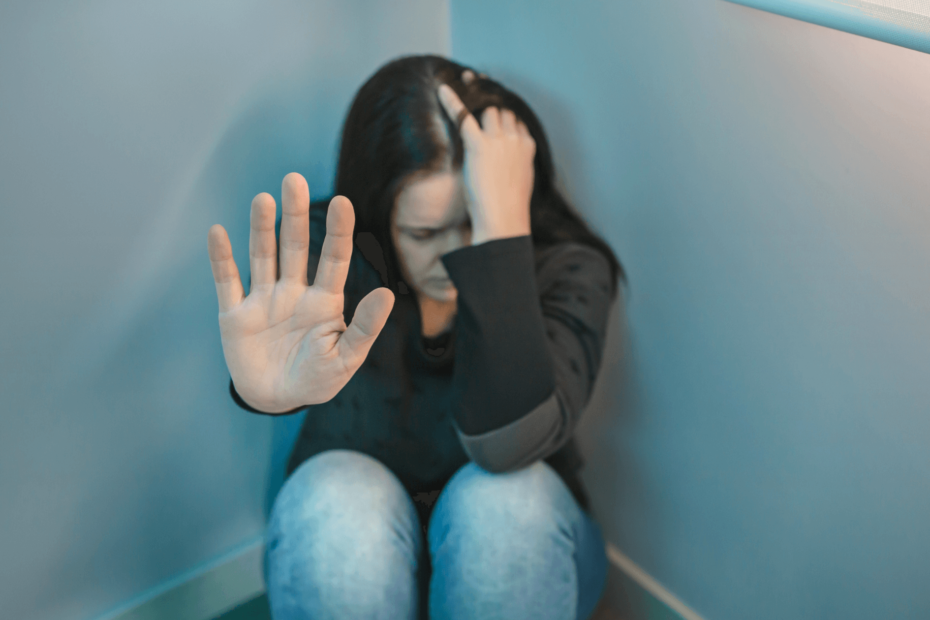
{"points": [[429, 228], [434, 228]]}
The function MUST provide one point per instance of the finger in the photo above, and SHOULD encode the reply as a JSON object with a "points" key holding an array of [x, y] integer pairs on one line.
{"points": [[508, 122], [467, 76], [491, 121], [263, 259], [225, 273], [470, 130], [333, 269], [295, 228], [369, 319], [527, 136]]}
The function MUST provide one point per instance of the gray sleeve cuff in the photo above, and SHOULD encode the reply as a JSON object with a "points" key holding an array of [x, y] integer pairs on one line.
{"points": [[523, 441]]}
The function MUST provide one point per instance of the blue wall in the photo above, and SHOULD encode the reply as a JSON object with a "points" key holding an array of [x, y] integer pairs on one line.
{"points": [[126, 131], [762, 446]]}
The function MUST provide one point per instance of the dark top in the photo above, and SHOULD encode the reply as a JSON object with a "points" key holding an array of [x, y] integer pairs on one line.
{"points": [[504, 387]]}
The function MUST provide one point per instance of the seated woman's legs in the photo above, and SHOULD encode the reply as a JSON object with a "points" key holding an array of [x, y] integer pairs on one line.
{"points": [[512, 546], [344, 542]]}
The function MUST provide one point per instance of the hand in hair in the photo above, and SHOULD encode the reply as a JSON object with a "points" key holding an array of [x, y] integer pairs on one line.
{"points": [[287, 345], [498, 169]]}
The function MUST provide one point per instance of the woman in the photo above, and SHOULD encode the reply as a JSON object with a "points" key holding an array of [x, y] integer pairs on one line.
{"points": [[417, 485]]}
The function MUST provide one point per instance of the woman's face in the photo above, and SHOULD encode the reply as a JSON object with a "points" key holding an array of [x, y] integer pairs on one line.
{"points": [[430, 219]]}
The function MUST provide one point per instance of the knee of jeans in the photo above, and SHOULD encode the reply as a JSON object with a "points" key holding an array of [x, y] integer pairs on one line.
{"points": [[340, 489], [531, 498]]}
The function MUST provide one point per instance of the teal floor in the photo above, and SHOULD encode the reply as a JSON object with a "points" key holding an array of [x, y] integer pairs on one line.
{"points": [[626, 600], [256, 609]]}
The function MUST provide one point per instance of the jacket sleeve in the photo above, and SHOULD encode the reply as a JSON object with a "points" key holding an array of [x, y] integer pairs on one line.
{"points": [[529, 339]]}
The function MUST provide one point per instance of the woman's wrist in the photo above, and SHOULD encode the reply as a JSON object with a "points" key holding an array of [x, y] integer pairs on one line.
{"points": [[482, 234]]}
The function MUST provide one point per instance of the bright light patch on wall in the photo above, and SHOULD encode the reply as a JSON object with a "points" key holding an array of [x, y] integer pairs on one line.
{"points": [[900, 22]]}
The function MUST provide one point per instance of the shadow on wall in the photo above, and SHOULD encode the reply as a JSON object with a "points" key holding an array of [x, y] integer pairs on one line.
{"points": [[612, 416], [174, 351]]}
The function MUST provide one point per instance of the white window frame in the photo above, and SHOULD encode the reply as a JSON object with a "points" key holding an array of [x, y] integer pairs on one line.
{"points": [[899, 22]]}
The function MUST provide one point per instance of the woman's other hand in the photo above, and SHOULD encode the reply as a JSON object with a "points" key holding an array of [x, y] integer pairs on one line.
{"points": [[498, 168], [287, 345]]}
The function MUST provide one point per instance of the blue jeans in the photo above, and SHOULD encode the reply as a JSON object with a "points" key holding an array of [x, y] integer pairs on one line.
{"points": [[344, 541]]}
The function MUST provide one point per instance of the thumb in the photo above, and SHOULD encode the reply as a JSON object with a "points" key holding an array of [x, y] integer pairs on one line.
{"points": [[369, 319]]}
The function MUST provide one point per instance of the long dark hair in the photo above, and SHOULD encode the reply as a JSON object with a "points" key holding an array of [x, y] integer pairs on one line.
{"points": [[390, 136]]}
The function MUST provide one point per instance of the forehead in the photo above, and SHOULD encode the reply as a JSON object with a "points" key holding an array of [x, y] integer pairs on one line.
{"points": [[429, 201]]}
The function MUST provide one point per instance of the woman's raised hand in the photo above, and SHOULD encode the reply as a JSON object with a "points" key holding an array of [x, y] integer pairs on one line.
{"points": [[286, 344]]}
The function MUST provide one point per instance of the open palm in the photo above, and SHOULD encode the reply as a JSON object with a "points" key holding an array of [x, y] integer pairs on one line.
{"points": [[286, 344]]}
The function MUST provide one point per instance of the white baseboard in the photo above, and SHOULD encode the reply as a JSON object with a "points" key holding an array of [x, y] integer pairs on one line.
{"points": [[650, 585], [204, 592]]}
